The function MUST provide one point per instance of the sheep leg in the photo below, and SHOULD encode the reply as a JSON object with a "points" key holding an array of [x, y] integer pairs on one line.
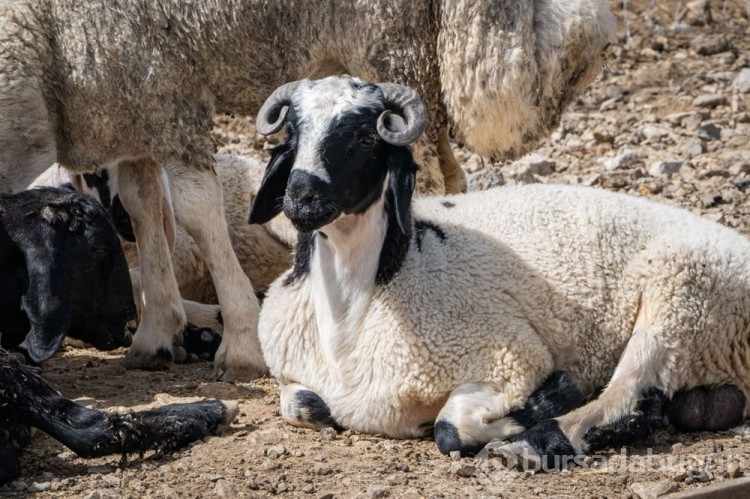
{"points": [[629, 409], [162, 316], [477, 413], [197, 196], [302, 407], [25, 397], [453, 175]]}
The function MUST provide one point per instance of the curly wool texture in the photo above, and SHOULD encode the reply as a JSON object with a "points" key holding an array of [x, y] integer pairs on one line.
{"points": [[97, 81], [556, 278]]}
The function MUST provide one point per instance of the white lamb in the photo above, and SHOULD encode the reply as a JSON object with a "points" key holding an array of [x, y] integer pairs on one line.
{"points": [[490, 315]]}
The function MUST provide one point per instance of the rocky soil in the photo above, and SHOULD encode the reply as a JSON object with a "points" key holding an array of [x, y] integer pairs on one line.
{"points": [[669, 119]]}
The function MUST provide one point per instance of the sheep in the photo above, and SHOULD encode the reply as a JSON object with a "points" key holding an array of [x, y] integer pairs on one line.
{"points": [[488, 315], [62, 272], [27, 400], [93, 84]]}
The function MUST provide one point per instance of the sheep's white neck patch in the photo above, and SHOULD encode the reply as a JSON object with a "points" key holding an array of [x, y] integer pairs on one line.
{"points": [[319, 104], [342, 274]]}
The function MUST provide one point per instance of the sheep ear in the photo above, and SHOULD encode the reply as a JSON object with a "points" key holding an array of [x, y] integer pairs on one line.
{"points": [[269, 199], [47, 301], [401, 179]]}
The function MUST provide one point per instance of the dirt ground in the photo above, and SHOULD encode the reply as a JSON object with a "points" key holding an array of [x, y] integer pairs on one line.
{"points": [[669, 119]]}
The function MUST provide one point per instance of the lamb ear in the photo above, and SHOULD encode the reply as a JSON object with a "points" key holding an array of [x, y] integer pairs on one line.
{"points": [[402, 174], [47, 301], [269, 199]]}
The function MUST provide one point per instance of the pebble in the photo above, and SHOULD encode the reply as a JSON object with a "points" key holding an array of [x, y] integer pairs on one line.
{"points": [[667, 167], [378, 491], [225, 488], [709, 132], [275, 451], [651, 490], [654, 132], [101, 494], [39, 487], [328, 434], [710, 100], [710, 44], [742, 81], [735, 469], [623, 160]]}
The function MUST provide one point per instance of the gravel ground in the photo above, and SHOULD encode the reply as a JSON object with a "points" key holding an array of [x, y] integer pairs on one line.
{"points": [[669, 119]]}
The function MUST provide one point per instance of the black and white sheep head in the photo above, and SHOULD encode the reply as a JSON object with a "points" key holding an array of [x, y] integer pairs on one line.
{"points": [[77, 281], [347, 144]]}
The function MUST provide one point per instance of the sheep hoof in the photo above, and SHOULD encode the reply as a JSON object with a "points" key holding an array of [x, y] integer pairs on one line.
{"points": [[160, 361], [237, 374]]}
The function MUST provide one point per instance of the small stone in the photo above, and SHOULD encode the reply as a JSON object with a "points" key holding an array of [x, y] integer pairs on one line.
{"points": [[325, 495], [710, 44], [667, 167], [651, 490], [101, 494], [743, 117], [169, 493], [680, 476], [742, 81], [485, 179], [39, 487], [654, 132], [378, 491], [735, 469], [225, 488], [623, 160], [710, 100], [20, 485], [112, 481], [455, 455], [328, 433], [308, 489], [709, 131], [275, 451], [463, 470], [693, 148], [701, 475]]}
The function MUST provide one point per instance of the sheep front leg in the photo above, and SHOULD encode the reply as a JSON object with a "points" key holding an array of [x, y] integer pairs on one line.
{"points": [[303, 407], [477, 413], [628, 410], [162, 316], [198, 205]]}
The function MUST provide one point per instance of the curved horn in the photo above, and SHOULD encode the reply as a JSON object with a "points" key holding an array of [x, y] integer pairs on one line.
{"points": [[409, 103], [272, 114]]}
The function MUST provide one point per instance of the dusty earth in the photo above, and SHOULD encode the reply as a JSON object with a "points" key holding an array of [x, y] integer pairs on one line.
{"points": [[669, 119]]}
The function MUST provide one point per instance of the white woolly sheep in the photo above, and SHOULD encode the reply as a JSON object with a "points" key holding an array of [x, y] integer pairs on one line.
{"points": [[488, 315], [92, 83]]}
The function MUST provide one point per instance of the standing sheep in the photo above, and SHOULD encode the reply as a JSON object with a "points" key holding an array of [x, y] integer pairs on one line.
{"points": [[92, 83], [489, 315]]}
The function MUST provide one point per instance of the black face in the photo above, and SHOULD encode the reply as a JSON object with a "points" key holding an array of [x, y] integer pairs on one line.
{"points": [[103, 310], [72, 275], [350, 176]]}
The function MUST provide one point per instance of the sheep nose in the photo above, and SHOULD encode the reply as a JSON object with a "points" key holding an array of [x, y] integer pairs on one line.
{"points": [[304, 188]]}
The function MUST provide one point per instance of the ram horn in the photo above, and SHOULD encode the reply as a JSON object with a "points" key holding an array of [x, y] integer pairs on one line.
{"points": [[272, 114], [407, 103]]}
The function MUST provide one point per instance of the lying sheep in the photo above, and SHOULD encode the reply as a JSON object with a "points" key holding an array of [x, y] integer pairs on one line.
{"points": [[27, 400], [490, 315], [62, 271]]}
